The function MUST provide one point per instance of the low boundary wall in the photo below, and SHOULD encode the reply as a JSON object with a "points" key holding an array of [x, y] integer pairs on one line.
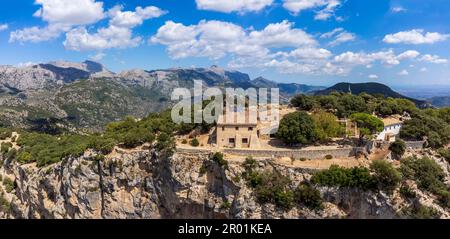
{"points": [[295, 154]]}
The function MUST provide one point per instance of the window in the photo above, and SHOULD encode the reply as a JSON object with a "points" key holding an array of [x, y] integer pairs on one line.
{"points": [[237, 128], [223, 128], [231, 140], [245, 141], [250, 128]]}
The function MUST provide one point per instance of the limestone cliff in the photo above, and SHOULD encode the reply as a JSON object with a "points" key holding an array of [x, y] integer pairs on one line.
{"points": [[143, 184]]}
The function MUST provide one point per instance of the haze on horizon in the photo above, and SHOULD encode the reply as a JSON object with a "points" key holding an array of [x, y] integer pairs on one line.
{"points": [[401, 43]]}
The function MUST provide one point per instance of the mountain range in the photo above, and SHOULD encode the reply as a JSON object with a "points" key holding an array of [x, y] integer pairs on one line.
{"points": [[372, 88], [85, 96]]}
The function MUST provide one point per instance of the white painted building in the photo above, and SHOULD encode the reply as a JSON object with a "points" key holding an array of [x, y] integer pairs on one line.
{"points": [[392, 127]]}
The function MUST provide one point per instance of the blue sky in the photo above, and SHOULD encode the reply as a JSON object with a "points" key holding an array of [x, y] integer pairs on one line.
{"points": [[320, 42]]}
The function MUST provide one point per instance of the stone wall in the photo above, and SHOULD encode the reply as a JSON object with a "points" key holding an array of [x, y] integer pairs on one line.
{"points": [[296, 154], [415, 144]]}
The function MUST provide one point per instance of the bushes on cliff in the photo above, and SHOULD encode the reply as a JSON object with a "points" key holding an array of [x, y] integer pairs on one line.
{"points": [[335, 176], [385, 176], [219, 159], [5, 133], [4, 148], [398, 148], [307, 195], [428, 175], [8, 184]]}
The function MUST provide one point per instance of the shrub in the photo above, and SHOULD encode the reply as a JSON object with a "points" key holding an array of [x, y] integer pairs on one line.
{"points": [[218, 158], [445, 153], [5, 133], [429, 176], [12, 154], [273, 188], [4, 148], [9, 184], [329, 157], [184, 141], [310, 197], [426, 172], [421, 212], [336, 176], [225, 205], [398, 148], [102, 144], [250, 164], [385, 176], [407, 192], [195, 143], [5, 206]]}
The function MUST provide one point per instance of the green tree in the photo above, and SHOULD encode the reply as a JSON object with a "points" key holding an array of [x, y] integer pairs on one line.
{"points": [[367, 124], [297, 128], [327, 126], [398, 148], [303, 102], [386, 177]]}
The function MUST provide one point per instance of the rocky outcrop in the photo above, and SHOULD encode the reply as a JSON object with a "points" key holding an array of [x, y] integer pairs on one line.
{"points": [[143, 184]]}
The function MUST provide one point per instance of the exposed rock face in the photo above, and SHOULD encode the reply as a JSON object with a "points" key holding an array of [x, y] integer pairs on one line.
{"points": [[142, 184], [49, 75]]}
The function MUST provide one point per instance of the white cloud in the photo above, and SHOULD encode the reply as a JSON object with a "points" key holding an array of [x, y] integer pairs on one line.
{"points": [[3, 27], [69, 12], [342, 38], [79, 39], [229, 6], [398, 9], [415, 36], [61, 16], [215, 39], [98, 57], [38, 34], [278, 46], [433, 59], [332, 33], [408, 55], [423, 69], [403, 73], [327, 7], [26, 64], [131, 19], [117, 35], [373, 76]]}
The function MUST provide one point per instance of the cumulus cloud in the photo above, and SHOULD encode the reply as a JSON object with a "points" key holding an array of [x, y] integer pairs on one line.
{"points": [[61, 16], [433, 59], [117, 35], [98, 57], [408, 55], [403, 73], [3, 27], [327, 7], [373, 76], [415, 36], [74, 17], [215, 39], [280, 46], [228, 6], [340, 36], [69, 12]]}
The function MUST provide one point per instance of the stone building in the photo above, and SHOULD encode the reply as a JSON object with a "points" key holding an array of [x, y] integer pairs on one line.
{"points": [[238, 130]]}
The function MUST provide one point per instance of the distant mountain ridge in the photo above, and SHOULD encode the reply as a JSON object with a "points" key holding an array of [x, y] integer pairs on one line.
{"points": [[87, 95], [440, 101], [372, 88]]}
